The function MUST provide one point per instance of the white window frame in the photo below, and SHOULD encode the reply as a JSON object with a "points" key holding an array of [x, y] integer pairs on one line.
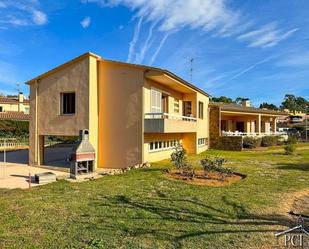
{"points": [[202, 141], [156, 101], [165, 145]]}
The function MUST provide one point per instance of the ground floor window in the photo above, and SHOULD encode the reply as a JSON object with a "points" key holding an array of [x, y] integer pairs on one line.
{"points": [[163, 145], [202, 141]]}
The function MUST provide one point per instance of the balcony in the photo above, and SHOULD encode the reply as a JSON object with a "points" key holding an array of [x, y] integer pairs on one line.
{"points": [[169, 123], [251, 134]]}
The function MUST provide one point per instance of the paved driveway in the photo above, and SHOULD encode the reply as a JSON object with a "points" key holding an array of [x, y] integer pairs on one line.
{"points": [[15, 173]]}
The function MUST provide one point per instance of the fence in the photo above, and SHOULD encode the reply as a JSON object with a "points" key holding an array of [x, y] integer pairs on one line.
{"points": [[12, 143]]}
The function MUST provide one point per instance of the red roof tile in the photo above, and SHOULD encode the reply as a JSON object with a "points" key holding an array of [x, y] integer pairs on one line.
{"points": [[4, 100], [14, 116]]}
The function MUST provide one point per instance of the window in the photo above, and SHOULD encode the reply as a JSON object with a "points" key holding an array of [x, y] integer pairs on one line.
{"points": [[27, 110], [156, 101], [200, 110], [163, 145], [202, 141], [68, 103], [187, 108], [1, 108], [176, 105]]}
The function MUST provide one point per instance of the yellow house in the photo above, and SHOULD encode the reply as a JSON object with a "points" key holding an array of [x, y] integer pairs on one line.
{"points": [[18, 104], [134, 113]]}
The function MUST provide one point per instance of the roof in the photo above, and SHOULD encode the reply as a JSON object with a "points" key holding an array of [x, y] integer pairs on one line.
{"points": [[239, 108], [8, 100], [14, 116], [118, 62]]}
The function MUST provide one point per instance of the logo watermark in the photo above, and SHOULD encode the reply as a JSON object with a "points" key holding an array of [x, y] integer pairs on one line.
{"points": [[295, 237]]}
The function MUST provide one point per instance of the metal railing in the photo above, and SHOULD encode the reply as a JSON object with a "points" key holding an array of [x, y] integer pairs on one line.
{"points": [[251, 134], [164, 115]]}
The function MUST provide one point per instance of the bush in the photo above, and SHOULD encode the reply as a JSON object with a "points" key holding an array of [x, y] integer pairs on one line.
{"points": [[14, 129], [290, 149], [290, 146], [251, 142], [270, 141], [179, 160], [215, 165]]}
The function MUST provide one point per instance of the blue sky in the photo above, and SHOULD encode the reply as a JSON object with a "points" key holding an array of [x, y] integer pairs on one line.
{"points": [[255, 49]]}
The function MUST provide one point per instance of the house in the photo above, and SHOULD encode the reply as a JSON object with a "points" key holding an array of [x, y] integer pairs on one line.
{"points": [[134, 113], [14, 104], [229, 123]]}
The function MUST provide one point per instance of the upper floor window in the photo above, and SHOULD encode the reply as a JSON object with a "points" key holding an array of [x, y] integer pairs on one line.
{"points": [[67, 103], [176, 105], [200, 110], [1, 108], [27, 110], [156, 101]]}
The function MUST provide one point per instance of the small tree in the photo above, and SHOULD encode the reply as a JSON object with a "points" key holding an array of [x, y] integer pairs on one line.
{"points": [[179, 160], [290, 146], [215, 165]]}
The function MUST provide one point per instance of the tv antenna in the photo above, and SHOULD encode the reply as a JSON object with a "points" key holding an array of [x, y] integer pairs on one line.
{"points": [[191, 69], [18, 89]]}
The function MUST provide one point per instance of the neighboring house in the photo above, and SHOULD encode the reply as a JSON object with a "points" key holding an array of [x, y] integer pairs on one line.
{"points": [[11, 104], [134, 113], [230, 122]]}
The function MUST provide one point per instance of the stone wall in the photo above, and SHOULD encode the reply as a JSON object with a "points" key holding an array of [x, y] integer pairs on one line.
{"points": [[216, 140]]}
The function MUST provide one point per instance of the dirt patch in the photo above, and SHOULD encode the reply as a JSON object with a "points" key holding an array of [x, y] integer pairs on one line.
{"points": [[212, 179]]}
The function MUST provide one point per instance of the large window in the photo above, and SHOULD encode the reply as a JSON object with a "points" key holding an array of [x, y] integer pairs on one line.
{"points": [[68, 103], [200, 110], [156, 101], [163, 145], [202, 141]]}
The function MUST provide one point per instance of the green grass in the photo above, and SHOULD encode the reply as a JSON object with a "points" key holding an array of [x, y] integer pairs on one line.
{"points": [[144, 209]]}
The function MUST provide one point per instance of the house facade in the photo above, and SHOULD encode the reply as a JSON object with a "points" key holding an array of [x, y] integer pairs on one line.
{"points": [[14, 104], [134, 114], [229, 123]]}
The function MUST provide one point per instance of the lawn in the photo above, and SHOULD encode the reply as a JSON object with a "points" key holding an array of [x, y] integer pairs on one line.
{"points": [[144, 209]]}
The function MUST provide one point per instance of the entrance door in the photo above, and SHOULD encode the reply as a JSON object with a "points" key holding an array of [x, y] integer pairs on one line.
{"points": [[240, 126]]}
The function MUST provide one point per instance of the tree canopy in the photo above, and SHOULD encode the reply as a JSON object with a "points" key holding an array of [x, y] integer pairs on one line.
{"points": [[295, 103], [222, 99], [269, 106]]}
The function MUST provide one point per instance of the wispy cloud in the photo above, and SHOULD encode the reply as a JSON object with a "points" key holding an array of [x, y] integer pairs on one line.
{"points": [[295, 59], [134, 40], [21, 13], [154, 56], [267, 36], [86, 22]]}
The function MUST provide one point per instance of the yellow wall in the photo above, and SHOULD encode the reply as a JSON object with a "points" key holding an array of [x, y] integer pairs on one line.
{"points": [[202, 124], [120, 115], [10, 107], [153, 156]]}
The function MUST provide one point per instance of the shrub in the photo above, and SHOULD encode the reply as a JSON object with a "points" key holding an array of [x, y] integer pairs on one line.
{"points": [[216, 165], [290, 149], [179, 160], [270, 141], [290, 146], [251, 142]]}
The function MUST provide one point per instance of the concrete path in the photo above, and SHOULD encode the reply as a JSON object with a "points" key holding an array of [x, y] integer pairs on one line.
{"points": [[13, 175]]}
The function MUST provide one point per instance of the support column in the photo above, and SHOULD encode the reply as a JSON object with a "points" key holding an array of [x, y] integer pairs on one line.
{"points": [[40, 154], [274, 125], [258, 124]]}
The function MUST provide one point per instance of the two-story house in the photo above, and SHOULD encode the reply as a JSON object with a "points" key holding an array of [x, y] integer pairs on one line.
{"points": [[134, 113]]}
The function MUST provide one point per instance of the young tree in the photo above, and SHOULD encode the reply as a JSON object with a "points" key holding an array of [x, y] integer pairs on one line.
{"points": [[222, 99], [269, 106]]}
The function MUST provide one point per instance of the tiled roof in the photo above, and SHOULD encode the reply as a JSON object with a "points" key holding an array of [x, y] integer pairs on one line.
{"points": [[239, 108], [5, 100], [14, 116]]}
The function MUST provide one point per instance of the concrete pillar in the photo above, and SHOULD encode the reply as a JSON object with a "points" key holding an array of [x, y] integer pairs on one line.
{"points": [[259, 124], [229, 125], [274, 125], [247, 126], [40, 154], [252, 126]]}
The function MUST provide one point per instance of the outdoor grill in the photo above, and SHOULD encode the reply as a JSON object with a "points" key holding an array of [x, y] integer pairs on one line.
{"points": [[83, 156]]}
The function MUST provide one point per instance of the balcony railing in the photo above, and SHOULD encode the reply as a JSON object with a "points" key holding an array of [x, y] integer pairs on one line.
{"points": [[169, 116], [251, 134]]}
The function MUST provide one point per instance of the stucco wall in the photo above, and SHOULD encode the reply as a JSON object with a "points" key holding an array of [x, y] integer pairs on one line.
{"points": [[202, 124], [74, 78], [120, 115]]}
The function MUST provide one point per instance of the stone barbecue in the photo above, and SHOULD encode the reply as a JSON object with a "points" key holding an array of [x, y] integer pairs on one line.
{"points": [[83, 156]]}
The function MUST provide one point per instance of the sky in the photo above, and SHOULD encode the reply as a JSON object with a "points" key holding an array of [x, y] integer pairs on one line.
{"points": [[255, 49]]}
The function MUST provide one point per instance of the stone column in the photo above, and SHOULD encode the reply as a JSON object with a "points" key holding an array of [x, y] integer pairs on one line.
{"points": [[258, 124]]}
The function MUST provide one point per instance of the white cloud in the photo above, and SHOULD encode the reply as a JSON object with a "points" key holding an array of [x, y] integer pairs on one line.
{"points": [[86, 22], [21, 13], [296, 59], [267, 36], [39, 17], [134, 40]]}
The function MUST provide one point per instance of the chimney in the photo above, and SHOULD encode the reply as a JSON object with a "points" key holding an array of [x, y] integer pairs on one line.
{"points": [[20, 97], [246, 103]]}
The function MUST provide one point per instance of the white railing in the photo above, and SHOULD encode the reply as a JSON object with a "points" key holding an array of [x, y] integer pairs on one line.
{"points": [[169, 116], [11, 143], [251, 134]]}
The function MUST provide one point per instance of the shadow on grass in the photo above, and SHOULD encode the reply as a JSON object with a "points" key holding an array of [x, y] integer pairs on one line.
{"points": [[294, 166], [175, 220]]}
